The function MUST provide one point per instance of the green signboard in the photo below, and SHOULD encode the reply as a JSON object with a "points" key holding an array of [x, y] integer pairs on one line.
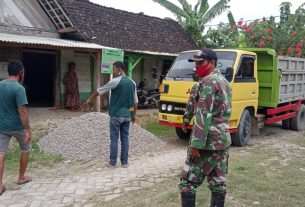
{"points": [[109, 56]]}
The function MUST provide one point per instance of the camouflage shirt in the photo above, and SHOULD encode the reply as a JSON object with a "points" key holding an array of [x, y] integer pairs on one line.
{"points": [[211, 113], [191, 104]]}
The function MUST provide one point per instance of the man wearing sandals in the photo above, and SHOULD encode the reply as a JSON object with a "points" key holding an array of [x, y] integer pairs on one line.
{"points": [[14, 121]]}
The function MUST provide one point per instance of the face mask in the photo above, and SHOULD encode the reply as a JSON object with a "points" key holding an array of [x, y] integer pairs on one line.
{"points": [[203, 70]]}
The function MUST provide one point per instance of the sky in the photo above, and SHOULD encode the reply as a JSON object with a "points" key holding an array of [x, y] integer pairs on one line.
{"points": [[246, 9]]}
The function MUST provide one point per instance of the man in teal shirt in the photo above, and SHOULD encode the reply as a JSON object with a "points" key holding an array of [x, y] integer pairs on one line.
{"points": [[14, 121], [122, 111]]}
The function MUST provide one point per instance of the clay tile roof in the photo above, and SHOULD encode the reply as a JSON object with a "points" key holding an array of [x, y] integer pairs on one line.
{"points": [[125, 30]]}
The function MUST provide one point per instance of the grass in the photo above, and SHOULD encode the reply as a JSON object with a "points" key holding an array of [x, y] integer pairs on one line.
{"points": [[300, 141], [159, 130], [37, 157], [258, 177]]}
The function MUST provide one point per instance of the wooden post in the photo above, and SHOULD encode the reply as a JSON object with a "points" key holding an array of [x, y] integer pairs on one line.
{"points": [[97, 79]]}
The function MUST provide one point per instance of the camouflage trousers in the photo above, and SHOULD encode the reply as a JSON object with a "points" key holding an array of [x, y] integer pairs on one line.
{"points": [[211, 164]]}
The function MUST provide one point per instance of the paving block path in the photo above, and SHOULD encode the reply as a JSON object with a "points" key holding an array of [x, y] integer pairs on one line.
{"points": [[75, 190]]}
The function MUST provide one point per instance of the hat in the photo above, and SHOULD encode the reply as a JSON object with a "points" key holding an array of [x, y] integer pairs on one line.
{"points": [[204, 54]]}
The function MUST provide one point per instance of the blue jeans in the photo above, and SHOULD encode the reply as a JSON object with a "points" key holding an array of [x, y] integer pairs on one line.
{"points": [[119, 126]]}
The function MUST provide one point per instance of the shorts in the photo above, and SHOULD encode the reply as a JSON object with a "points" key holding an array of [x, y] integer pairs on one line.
{"points": [[5, 138]]}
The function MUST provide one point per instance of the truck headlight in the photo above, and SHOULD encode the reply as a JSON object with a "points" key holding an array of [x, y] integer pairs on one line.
{"points": [[163, 107], [169, 108]]}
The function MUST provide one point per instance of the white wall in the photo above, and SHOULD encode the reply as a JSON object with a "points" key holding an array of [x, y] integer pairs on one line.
{"points": [[82, 61]]}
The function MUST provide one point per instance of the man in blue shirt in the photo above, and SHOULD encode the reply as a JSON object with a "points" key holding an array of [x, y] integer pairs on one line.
{"points": [[122, 111], [14, 121]]}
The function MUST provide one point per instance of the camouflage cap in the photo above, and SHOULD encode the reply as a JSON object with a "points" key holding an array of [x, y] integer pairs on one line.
{"points": [[204, 54]]}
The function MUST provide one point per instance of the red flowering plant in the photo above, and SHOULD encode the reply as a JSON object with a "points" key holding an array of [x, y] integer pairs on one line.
{"points": [[287, 37], [259, 34]]}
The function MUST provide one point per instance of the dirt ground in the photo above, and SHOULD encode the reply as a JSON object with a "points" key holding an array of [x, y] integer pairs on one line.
{"points": [[44, 120]]}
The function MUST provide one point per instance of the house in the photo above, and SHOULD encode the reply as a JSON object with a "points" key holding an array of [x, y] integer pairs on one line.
{"points": [[49, 34], [147, 41], [27, 33]]}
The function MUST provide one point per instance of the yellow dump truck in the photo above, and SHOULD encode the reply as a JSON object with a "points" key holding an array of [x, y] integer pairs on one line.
{"points": [[266, 88]]}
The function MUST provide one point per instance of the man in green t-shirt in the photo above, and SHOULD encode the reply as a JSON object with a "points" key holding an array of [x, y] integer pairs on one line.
{"points": [[14, 121], [122, 111]]}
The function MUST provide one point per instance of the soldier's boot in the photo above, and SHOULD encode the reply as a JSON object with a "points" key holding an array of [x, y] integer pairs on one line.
{"points": [[188, 199], [218, 199]]}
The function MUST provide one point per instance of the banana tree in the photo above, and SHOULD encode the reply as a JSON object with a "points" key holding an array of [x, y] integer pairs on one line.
{"points": [[194, 19]]}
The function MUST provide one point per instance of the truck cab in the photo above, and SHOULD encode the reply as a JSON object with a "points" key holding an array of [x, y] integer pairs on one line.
{"points": [[266, 88], [240, 69]]}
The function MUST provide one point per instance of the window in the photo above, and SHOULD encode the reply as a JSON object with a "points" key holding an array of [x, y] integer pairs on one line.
{"points": [[246, 70]]}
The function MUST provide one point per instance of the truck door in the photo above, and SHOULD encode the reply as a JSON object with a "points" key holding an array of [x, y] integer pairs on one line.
{"points": [[244, 87]]}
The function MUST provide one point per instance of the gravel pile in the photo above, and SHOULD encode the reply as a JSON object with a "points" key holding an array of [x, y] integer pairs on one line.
{"points": [[87, 136]]}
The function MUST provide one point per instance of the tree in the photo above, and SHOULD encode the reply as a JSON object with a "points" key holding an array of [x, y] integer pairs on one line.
{"points": [[194, 19], [287, 37], [223, 36]]}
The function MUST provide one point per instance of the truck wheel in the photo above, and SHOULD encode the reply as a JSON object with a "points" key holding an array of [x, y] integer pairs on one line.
{"points": [[298, 122], [286, 124], [242, 136], [183, 135]]}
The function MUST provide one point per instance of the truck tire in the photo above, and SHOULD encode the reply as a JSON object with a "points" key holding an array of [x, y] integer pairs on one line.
{"points": [[286, 124], [242, 136], [183, 135], [298, 122]]}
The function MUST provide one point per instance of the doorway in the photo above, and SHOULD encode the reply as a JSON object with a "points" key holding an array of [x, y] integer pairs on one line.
{"points": [[166, 66], [39, 78]]}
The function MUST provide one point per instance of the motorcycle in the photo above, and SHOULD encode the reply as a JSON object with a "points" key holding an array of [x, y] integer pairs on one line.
{"points": [[149, 99]]}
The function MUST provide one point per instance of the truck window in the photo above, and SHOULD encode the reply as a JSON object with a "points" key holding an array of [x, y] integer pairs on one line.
{"points": [[225, 59], [245, 71], [182, 69]]}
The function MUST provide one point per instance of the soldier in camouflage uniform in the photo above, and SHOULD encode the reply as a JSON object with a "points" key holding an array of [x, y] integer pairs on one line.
{"points": [[207, 156]]}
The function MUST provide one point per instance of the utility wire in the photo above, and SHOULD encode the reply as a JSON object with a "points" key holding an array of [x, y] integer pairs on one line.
{"points": [[244, 21]]}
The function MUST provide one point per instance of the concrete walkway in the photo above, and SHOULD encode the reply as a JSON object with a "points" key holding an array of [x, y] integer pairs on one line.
{"points": [[77, 189]]}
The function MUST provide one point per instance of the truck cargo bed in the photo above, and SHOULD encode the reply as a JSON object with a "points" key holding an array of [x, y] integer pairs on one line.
{"points": [[281, 79], [292, 84]]}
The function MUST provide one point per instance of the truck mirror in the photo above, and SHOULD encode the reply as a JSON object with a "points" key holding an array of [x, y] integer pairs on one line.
{"points": [[229, 74]]}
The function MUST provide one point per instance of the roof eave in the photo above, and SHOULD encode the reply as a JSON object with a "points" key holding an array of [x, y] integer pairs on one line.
{"points": [[152, 53]]}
